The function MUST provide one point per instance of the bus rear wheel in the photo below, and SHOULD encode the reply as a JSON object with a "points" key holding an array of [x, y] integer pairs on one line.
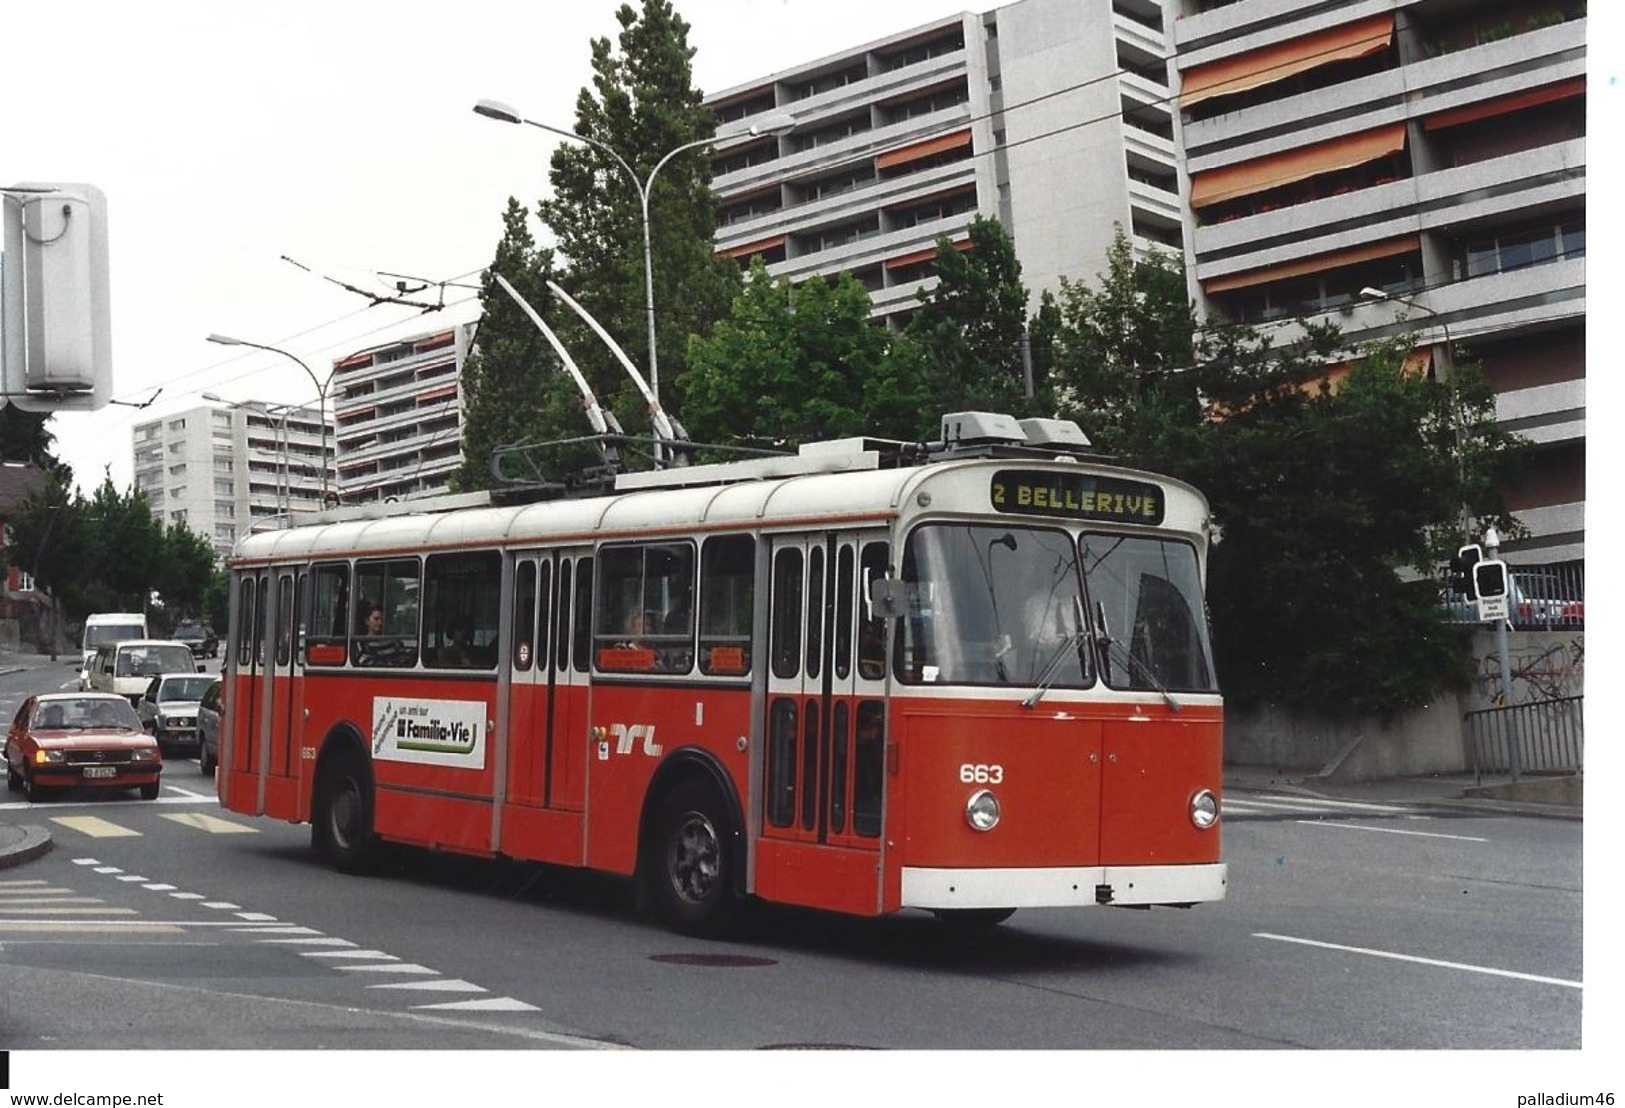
{"points": [[342, 820], [691, 872]]}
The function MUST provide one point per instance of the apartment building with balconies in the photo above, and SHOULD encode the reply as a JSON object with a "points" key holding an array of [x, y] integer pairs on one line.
{"points": [[1051, 115], [221, 470], [398, 409], [1431, 150]]}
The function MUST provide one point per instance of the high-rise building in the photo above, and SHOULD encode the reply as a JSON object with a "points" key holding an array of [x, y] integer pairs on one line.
{"points": [[1051, 115], [1426, 159], [220, 470], [399, 414]]}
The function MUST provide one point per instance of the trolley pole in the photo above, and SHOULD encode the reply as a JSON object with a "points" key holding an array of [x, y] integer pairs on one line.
{"points": [[1492, 549]]}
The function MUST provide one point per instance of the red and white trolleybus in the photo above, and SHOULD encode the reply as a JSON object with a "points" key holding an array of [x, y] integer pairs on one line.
{"points": [[973, 683]]}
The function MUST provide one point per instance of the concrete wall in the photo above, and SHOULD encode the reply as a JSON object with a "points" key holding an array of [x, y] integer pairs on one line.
{"points": [[1430, 740]]}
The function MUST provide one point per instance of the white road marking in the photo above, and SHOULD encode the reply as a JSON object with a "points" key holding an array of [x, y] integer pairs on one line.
{"points": [[495, 1004], [389, 967], [367, 954], [1421, 961], [1289, 802], [444, 985], [1338, 826]]}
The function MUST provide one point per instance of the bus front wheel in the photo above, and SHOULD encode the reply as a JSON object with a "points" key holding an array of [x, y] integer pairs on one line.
{"points": [[691, 872], [342, 823]]}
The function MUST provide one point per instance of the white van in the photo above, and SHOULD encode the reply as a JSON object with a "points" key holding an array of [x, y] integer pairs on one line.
{"points": [[128, 667], [106, 627]]}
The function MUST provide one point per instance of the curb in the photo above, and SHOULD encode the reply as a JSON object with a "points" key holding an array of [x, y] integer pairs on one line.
{"points": [[32, 842]]}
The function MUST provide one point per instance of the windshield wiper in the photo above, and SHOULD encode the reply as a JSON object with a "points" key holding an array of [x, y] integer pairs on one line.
{"points": [[1052, 668], [1104, 633]]}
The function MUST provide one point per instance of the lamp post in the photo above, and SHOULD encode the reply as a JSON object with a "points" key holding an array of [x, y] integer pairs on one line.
{"points": [[283, 489], [321, 391], [1447, 373], [774, 123]]}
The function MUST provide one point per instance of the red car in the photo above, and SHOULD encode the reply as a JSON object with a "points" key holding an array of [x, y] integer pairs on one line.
{"points": [[80, 740]]}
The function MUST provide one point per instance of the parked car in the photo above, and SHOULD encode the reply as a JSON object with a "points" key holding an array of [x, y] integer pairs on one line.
{"points": [[1538, 603], [127, 668], [200, 637], [168, 709], [80, 740], [209, 711]]}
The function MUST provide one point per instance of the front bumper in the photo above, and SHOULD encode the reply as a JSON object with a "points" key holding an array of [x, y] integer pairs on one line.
{"points": [[67, 776], [1063, 886]]}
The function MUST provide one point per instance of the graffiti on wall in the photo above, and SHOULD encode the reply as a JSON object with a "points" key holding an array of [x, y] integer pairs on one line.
{"points": [[1544, 671]]}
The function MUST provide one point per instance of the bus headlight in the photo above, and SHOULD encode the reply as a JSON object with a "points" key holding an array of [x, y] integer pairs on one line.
{"points": [[982, 811], [1204, 810]]}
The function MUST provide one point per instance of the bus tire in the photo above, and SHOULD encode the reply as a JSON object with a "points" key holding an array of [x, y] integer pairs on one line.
{"points": [[341, 826], [970, 920], [691, 866]]}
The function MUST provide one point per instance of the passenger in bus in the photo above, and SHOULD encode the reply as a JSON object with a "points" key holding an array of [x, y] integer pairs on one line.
{"points": [[638, 624], [459, 649], [369, 619]]}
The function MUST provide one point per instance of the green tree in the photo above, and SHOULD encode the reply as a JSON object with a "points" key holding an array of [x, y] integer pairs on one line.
{"points": [[1122, 350], [1332, 506], [970, 330], [791, 364], [514, 389], [643, 106], [185, 568]]}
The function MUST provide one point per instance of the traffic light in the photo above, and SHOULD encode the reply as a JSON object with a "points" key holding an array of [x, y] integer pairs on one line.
{"points": [[1490, 579], [1460, 578], [55, 330]]}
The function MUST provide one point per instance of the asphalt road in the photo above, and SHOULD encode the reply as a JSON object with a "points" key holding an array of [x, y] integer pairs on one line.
{"points": [[1381, 929]]}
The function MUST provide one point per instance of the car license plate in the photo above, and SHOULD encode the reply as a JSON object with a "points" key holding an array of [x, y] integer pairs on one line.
{"points": [[101, 771]]}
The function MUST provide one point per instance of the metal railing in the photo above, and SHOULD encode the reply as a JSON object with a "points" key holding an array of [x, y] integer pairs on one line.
{"points": [[1548, 736]]}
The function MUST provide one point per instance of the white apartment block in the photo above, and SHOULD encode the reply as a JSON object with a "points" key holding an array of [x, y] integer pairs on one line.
{"points": [[222, 470], [398, 407], [1051, 115], [1434, 150]]}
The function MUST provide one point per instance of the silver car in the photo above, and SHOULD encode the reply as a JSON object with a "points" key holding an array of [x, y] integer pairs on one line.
{"points": [[208, 728], [169, 708]]}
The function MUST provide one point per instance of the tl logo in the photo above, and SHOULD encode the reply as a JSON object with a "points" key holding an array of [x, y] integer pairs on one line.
{"points": [[626, 737]]}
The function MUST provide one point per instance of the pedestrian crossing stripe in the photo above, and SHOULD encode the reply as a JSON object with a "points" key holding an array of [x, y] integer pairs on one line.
{"points": [[95, 827], [214, 825]]}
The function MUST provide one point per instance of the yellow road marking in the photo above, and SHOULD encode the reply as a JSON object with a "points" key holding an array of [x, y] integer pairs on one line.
{"points": [[212, 824], [95, 827]]}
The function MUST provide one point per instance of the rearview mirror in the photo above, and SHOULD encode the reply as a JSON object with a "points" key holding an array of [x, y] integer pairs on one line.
{"points": [[886, 597]]}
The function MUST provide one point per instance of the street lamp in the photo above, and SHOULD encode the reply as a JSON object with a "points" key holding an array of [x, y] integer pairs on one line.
{"points": [[284, 492], [1447, 373], [773, 123], [321, 391]]}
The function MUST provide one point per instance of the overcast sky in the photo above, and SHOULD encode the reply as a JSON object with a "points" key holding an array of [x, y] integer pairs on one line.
{"points": [[228, 137]]}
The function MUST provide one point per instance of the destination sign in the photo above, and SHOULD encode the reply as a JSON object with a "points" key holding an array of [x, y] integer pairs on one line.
{"points": [[1076, 496]]}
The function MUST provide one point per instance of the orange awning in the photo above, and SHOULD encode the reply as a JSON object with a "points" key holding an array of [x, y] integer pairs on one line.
{"points": [[761, 246], [440, 393], [1262, 174], [1337, 259], [926, 255], [1276, 63], [1487, 109], [904, 154]]}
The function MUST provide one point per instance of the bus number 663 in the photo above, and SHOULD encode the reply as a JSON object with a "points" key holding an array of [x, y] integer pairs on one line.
{"points": [[981, 775]]}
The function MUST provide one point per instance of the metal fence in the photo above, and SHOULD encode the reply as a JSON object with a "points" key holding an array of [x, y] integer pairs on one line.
{"points": [[1549, 597], [1549, 737]]}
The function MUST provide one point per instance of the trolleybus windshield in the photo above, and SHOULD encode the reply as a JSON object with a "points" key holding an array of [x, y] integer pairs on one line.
{"points": [[989, 605]]}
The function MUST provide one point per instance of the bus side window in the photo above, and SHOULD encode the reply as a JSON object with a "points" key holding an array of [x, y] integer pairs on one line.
{"points": [[871, 627], [386, 611], [785, 644], [582, 646], [727, 591], [461, 610], [524, 615], [329, 623]]}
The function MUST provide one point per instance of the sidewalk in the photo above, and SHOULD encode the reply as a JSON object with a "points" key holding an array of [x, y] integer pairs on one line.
{"points": [[1551, 797]]}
